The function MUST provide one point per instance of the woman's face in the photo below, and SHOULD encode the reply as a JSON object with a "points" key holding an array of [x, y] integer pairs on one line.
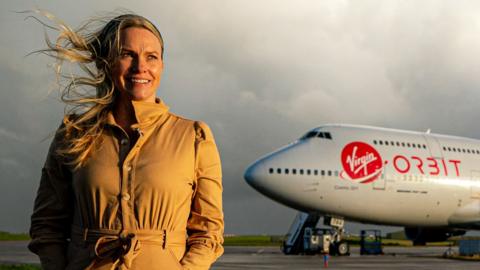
{"points": [[137, 71]]}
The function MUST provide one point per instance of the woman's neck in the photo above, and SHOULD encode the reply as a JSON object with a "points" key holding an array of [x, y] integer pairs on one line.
{"points": [[124, 114]]}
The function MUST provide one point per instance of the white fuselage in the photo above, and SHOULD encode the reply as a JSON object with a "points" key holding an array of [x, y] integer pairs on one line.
{"points": [[376, 175]]}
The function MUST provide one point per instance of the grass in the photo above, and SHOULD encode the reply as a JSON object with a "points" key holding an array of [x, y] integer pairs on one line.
{"points": [[5, 236], [355, 241], [259, 240], [266, 240], [465, 258], [19, 267], [253, 240]]}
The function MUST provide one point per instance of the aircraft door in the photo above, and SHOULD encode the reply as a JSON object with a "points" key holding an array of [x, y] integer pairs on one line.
{"points": [[475, 186], [433, 146]]}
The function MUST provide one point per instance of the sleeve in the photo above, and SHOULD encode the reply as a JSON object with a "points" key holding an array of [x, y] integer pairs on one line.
{"points": [[51, 218], [205, 224]]}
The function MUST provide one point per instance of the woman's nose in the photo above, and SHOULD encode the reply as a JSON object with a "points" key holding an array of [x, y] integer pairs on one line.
{"points": [[139, 65]]}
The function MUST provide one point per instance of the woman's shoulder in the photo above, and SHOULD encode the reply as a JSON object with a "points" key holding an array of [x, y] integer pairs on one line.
{"points": [[201, 129], [180, 120]]}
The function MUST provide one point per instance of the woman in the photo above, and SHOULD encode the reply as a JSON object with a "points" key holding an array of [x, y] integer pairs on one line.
{"points": [[126, 184]]}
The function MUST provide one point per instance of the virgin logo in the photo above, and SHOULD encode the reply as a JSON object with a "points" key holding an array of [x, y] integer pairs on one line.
{"points": [[361, 162]]}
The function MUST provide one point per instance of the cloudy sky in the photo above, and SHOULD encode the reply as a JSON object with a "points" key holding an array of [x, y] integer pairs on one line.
{"points": [[260, 73]]}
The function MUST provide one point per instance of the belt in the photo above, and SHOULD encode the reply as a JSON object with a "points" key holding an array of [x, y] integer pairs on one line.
{"points": [[122, 246]]}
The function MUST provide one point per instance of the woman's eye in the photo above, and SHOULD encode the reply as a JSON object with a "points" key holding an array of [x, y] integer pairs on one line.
{"points": [[126, 54]]}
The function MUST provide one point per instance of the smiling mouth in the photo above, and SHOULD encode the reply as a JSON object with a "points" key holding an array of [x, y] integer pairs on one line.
{"points": [[141, 81]]}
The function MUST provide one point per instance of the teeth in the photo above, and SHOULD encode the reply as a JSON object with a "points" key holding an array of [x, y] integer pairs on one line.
{"points": [[140, 81]]}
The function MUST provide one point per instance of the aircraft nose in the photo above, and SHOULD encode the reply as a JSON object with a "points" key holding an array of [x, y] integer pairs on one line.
{"points": [[270, 176], [253, 174]]}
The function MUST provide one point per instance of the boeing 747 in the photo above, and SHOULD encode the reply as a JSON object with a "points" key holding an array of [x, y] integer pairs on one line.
{"points": [[428, 183]]}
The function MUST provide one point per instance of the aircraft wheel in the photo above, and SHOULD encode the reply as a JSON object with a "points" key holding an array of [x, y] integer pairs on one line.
{"points": [[343, 248]]}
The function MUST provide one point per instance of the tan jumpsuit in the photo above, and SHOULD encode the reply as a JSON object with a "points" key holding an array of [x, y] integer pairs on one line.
{"points": [[152, 204]]}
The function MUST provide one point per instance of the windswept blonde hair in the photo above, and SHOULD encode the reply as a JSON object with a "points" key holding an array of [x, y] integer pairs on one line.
{"points": [[95, 53]]}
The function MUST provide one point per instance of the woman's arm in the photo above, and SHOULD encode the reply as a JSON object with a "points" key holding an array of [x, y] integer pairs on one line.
{"points": [[205, 225], [51, 218]]}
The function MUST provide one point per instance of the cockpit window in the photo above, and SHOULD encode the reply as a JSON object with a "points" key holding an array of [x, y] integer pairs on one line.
{"points": [[323, 135], [310, 134]]}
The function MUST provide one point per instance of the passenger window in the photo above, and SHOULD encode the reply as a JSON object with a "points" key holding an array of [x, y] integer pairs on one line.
{"points": [[279, 171], [294, 171], [449, 149], [414, 145], [329, 173], [408, 144], [454, 149], [315, 172], [380, 142], [398, 144], [386, 142], [301, 171], [308, 172], [374, 141], [392, 143], [403, 144], [444, 148], [424, 146], [323, 172], [270, 170], [287, 171], [468, 151]]}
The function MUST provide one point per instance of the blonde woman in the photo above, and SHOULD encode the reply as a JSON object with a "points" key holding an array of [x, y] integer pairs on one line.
{"points": [[126, 184]]}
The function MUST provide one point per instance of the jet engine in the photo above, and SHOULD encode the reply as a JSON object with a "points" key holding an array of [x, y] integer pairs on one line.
{"points": [[421, 235]]}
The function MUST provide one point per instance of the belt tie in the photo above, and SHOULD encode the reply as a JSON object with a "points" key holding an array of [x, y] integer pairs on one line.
{"points": [[121, 247]]}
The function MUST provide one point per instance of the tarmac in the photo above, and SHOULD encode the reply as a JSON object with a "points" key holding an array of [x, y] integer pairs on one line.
{"points": [[394, 258], [235, 258]]}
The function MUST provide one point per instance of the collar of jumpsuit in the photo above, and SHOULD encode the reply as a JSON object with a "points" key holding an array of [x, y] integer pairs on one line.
{"points": [[146, 113]]}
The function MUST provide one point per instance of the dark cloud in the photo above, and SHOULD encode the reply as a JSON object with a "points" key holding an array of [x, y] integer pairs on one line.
{"points": [[260, 74]]}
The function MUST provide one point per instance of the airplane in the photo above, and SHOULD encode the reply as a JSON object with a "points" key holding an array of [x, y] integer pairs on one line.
{"points": [[428, 183]]}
